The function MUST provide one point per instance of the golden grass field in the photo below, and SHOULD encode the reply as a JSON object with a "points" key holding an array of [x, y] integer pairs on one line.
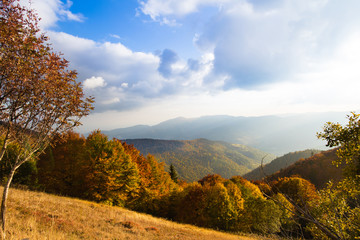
{"points": [[36, 215]]}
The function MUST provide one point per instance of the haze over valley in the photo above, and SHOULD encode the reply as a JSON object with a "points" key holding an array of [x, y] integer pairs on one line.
{"points": [[272, 134]]}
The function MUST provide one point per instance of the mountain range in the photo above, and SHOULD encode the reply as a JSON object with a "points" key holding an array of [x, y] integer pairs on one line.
{"points": [[274, 134]]}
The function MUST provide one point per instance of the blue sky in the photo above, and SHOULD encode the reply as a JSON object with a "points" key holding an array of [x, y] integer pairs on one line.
{"points": [[151, 60]]}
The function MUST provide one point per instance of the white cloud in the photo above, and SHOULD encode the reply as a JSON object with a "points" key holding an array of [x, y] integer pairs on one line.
{"points": [[132, 78], [115, 36], [94, 82], [257, 42], [51, 11], [111, 101], [156, 8], [113, 61], [71, 16], [256, 45], [164, 11]]}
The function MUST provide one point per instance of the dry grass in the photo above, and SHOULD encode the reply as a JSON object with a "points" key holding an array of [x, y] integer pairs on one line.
{"points": [[34, 215]]}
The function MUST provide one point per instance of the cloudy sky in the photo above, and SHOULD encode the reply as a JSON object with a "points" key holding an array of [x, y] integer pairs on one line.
{"points": [[146, 61]]}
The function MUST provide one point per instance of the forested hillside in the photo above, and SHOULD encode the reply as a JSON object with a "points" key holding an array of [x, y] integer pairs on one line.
{"points": [[94, 168], [194, 159], [318, 169], [115, 173], [278, 164]]}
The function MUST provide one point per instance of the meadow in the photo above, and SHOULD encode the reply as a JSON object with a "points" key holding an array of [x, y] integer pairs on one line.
{"points": [[37, 215]]}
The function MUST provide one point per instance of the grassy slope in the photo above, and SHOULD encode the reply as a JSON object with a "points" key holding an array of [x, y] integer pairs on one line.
{"points": [[40, 216]]}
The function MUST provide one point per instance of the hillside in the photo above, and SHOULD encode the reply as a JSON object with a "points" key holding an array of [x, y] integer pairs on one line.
{"points": [[318, 169], [278, 164], [274, 134], [194, 159], [34, 215]]}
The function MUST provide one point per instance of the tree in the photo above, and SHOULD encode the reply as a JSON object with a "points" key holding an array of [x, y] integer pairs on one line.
{"points": [[211, 180], [111, 175], [340, 205], [298, 198], [339, 210], [39, 96], [334, 212], [300, 191], [259, 214], [347, 138], [128, 179], [192, 205], [173, 173], [156, 194], [247, 188], [61, 168], [223, 205]]}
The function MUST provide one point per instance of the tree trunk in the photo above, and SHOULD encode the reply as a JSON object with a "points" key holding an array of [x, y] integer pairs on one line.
{"points": [[4, 199]]}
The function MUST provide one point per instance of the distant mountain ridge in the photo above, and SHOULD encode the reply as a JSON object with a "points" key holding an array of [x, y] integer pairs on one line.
{"points": [[194, 159], [275, 134]]}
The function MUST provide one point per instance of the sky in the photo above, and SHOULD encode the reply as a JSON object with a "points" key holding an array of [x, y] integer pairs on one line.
{"points": [[147, 61]]}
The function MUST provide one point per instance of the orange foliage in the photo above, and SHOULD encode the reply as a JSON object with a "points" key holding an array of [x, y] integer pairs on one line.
{"points": [[297, 190], [153, 175], [211, 180], [103, 170], [60, 168], [318, 169]]}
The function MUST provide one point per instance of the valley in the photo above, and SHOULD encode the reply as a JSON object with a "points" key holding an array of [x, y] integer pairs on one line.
{"points": [[194, 159]]}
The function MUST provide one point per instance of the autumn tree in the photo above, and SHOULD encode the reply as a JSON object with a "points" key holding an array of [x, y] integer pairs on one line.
{"points": [[347, 138], [289, 225], [39, 96], [300, 191], [211, 180], [339, 210], [212, 202], [107, 171], [61, 167], [259, 214], [334, 212], [247, 188], [192, 205], [156, 187], [112, 177], [223, 205]]}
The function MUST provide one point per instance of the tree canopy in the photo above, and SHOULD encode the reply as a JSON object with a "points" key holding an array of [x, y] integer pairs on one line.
{"points": [[348, 139]]}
